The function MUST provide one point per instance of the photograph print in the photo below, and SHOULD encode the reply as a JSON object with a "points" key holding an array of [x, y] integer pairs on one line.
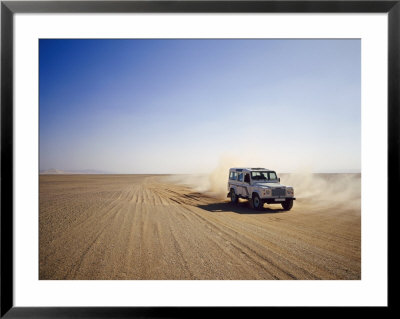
{"points": [[199, 159]]}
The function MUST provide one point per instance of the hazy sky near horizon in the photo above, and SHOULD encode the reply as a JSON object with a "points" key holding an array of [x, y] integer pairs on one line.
{"points": [[182, 106]]}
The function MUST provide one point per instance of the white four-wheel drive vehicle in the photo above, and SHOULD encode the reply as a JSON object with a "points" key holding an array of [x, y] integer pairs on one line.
{"points": [[259, 186]]}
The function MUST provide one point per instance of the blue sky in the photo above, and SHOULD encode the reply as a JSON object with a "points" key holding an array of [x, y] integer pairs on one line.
{"points": [[179, 106]]}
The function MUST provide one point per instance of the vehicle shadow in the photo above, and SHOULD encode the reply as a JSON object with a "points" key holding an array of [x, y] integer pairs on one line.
{"points": [[240, 208]]}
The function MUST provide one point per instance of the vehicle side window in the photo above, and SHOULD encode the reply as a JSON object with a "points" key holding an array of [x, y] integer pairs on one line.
{"points": [[233, 175], [247, 178], [240, 178]]}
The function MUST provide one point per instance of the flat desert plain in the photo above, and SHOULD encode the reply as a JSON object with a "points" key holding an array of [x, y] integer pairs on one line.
{"points": [[150, 227]]}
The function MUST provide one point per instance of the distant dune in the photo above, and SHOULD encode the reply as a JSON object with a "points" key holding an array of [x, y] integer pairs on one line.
{"points": [[59, 171]]}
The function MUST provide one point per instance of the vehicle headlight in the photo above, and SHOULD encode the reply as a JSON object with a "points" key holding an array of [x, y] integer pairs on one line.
{"points": [[267, 192], [289, 191]]}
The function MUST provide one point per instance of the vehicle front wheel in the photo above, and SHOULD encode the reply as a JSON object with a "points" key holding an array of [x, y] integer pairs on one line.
{"points": [[287, 205], [256, 202], [234, 198]]}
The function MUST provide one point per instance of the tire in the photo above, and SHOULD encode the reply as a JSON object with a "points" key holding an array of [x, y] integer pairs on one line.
{"points": [[256, 202], [234, 198], [287, 205]]}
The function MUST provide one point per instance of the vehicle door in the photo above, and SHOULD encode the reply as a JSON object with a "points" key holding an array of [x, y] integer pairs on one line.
{"points": [[240, 184], [246, 185]]}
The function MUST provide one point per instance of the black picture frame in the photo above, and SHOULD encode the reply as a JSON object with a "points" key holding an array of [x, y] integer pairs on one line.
{"points": [[9, 8]]}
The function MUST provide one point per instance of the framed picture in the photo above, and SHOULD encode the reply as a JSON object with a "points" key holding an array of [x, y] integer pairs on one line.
{"points": [[165, 157]]}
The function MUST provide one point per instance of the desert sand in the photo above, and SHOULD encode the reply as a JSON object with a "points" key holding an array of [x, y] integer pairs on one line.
{"points": [[150, 227]]}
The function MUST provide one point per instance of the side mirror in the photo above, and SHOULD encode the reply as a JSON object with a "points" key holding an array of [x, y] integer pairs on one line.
{"points": [[279, 179]]}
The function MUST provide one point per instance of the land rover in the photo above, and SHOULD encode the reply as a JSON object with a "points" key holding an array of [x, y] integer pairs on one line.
{"points": [[259, 186]]}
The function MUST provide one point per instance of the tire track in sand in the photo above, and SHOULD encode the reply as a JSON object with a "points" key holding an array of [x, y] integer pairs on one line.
{"points": [[140, 227]]}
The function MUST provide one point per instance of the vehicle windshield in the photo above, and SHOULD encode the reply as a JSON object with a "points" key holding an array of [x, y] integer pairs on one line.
{"points": [[262, 175]]}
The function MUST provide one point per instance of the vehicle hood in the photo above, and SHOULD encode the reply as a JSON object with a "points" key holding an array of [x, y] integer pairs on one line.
{"points": [[271, 185]]}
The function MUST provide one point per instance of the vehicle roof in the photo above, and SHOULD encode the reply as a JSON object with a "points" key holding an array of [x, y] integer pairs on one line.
{"points": [[239, 169]]}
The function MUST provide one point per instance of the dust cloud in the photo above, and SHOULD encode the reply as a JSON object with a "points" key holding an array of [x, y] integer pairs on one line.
{"points": [[213, 184], [325, 190], [319, 190]]}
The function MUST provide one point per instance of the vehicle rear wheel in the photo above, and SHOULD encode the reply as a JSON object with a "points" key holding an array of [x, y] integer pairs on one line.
{"points": [[234, 198], [287, 205], [256, 202]]}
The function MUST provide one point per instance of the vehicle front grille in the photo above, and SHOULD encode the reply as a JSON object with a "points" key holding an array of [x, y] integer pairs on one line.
{"points": [[278, 192]]}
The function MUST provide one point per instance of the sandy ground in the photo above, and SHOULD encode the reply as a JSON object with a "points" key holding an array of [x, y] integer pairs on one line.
{"points": [[145, 227]]}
